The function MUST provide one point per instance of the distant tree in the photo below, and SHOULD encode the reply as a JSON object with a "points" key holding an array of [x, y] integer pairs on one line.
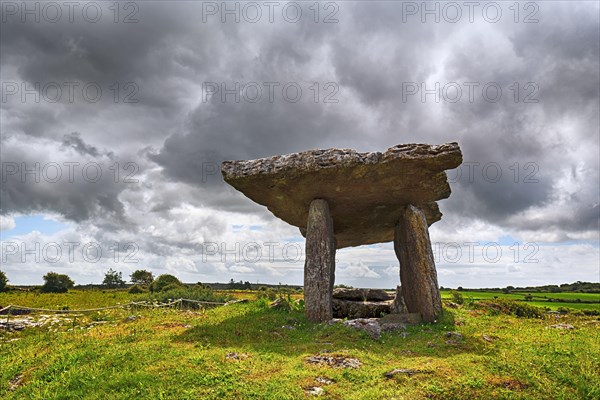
{"points": [[113, 279], [3, 281], [164, 281], [231, 284], [247, 285], [528, 297], [459, 288], [142, 277], [57, 283]]}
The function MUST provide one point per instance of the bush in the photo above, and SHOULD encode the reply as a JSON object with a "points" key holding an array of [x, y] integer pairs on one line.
{"points": [[457, 297], [163, 281], [193, 293], [3, 281], [57, 283], [271, 294], [136, 289], [511, 307]]}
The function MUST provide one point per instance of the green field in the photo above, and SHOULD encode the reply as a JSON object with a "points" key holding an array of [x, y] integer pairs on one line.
{"points": [[248, 350], [588, 301]]}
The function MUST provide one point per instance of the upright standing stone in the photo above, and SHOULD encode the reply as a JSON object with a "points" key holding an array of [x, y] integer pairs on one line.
{"points": [[319, 267], [417, 268]]}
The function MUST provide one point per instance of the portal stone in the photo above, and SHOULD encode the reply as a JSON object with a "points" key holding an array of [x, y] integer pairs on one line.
{"points": [[319, 265], [417, 268]]}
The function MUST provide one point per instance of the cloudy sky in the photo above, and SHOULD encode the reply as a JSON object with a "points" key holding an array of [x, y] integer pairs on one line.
{"points": [[114, 121]]}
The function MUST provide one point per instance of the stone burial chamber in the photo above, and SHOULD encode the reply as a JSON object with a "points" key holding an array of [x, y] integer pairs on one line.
{"points": [[341, 198]]}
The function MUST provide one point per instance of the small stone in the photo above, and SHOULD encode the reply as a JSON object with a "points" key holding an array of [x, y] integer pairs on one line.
{"points": [[488, 338], [335, 362], [392, 327], [315, 391], [369, 325], [406, 371], [563, 326], [323, 380], [454, 335], [236, 356]]}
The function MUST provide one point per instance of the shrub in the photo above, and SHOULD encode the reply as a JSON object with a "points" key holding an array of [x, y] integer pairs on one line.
{"points": [[57, 283], [457, 297], [511, 307], [192, 293], [163, 281], [136, 289], [563, 310], [271, 294], [3, 281]]}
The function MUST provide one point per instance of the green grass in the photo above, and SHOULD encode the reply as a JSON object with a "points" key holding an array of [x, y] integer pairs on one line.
{"points": [[179, 354], [569, 300]]}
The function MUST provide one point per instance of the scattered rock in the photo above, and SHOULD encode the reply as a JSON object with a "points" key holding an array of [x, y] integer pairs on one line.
{"points": [[15, 382], [431, 344], [236, 356], [314, 391], [288, 327], [488, 338], [454, 335], [451, 304], [131, 318], [392, 327], [360, 309], [563, 326], [335, 362], [369, 325], [323, 380], [408, 372]]}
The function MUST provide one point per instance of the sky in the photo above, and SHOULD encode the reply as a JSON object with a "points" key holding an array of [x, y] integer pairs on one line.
{"points": [[114, 121]]}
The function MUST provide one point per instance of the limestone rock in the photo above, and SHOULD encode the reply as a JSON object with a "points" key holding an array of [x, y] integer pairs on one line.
{"points": [[369, 325], [367, 192], [360, 309], [406, 319], [319, 265], [398, 305], [361, 294], [418, 276]]}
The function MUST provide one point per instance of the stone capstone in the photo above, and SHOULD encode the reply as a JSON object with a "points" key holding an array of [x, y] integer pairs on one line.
{"points": [[366, 192]]}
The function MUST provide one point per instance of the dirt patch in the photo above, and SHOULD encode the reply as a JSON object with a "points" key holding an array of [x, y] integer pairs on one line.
{"points": [[508, 383]]}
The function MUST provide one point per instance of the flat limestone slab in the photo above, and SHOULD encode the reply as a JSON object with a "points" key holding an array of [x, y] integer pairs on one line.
{"points": [[366, 192]]}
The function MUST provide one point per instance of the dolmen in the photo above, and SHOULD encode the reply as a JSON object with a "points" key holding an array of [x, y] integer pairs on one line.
{"points": [[340, 198]]}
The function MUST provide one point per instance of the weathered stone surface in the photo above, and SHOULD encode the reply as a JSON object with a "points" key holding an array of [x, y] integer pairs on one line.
{"points": [[360, 309], [418, 276], [367, 192], [407, 319], [398, 305], [319, 265], [361, 294]]}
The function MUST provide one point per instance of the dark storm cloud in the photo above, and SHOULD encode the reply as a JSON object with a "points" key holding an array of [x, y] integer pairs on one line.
{"points": [[369, 54]]}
